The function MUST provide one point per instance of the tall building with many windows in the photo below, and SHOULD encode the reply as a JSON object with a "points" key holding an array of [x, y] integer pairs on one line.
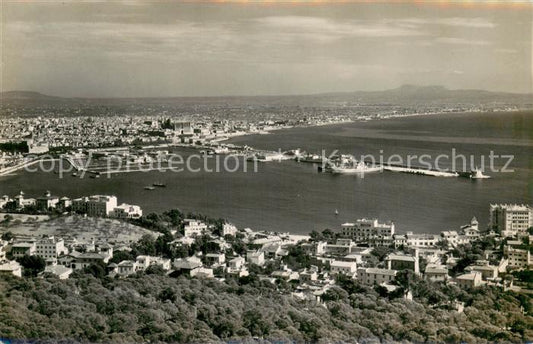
{"points": [[50, 247], [510, 219], [96, 205], [366, 229]]}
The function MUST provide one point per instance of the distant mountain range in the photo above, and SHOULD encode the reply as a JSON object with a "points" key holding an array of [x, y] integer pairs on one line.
{"points": [[403, 95]]}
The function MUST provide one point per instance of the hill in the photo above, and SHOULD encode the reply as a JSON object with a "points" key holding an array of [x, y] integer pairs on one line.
{"points": [[403, 95]]}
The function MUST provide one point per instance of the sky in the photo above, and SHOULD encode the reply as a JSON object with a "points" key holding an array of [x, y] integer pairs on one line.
{"points": [[216, 48]]}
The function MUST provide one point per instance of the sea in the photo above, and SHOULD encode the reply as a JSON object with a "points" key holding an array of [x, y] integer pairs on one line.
{"points": [[294, 197]]}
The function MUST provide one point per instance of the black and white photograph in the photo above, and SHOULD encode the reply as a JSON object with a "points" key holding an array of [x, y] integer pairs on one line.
{"points": [[266, 171]]}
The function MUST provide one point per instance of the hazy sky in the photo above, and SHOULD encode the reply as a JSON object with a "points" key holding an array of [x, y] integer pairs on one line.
{"points": [[128, 48]]}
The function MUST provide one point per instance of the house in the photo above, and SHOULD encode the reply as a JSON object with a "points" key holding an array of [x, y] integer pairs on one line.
{"points": [[4, 200], [22, 249], [10, 267], [353, 257], [488, 272], [187, 265], [255, 257], [60, 271], [308, 275], [215, 258], [341, 267], [341, 247], [402, 262], [21, 202], [144, 262], [183, 241], [47, 201], [64, 203], [228, 229], [286, 274], [127, 211], [436, 273], [82, 260], [471, 230], [469, 280], [194, 227], [421, 240], [371, 276], [126, 267], [274, 250], [201, 272], [452, 238], [236, 263], [317, 248]]}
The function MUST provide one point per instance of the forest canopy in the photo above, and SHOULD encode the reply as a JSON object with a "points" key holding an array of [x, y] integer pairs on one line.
{"points": [[154, 307]]}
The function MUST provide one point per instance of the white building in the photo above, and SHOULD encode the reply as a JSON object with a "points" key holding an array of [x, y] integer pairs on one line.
{"points": [[402, 262], [21, 249], [126, 267], [46, 201], [11, 267], [371, 276], [436, 273], [50, 247], [62, 272], [215, 258], [518, 258], [255, 257], [365, 229], [21, 201], [510, 219], [469, 280], [421, 240], [342, 267], [4, 200], [194, 227], [127, 211], [229, 229], [202, 272], [236, 263], [144, 262], [96, 205]]}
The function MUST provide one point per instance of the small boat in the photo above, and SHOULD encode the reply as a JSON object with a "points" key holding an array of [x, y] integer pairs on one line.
{"points": [[336, 212], [356, 169], [149, 187], [74, 174], [312, 158], [478, 174], [159, 185]]}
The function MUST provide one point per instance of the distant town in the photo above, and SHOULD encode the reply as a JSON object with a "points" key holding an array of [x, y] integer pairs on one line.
{"points": [[60, 131]]}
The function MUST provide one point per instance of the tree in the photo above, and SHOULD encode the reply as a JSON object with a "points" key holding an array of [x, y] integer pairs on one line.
{"points": [[32, 265], [145, 245], [155, 270], [119, 256], [167, 294], [97, 270], [7, 236], [297, 258], [253, 321]]}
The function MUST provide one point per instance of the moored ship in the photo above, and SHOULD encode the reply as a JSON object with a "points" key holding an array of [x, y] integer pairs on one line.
{"points": [[478, 174]]}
